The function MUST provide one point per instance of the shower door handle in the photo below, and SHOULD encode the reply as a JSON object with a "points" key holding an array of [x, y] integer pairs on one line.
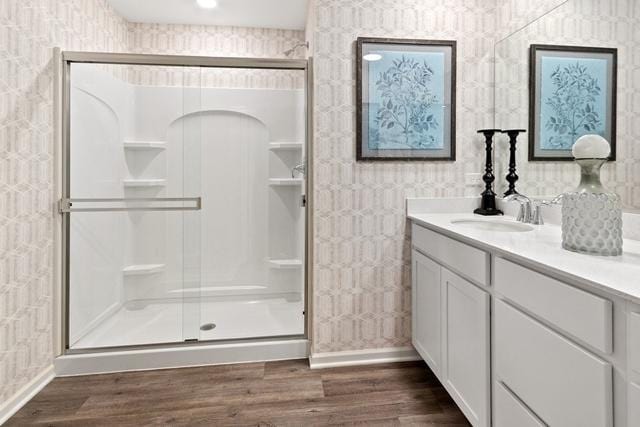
{"points": [[65, 205]]}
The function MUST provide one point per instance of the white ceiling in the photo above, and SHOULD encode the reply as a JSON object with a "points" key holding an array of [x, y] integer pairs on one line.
{"points": [[288, 14]]}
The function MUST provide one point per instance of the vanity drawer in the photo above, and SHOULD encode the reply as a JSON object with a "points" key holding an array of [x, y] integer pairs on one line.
{"points": [[509, 412], [463, 259], [582, 315], [634, 341], [560, 382]]}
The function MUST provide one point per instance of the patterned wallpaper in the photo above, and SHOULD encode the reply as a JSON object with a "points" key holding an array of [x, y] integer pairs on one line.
{"points": [[215, 41], [581, 23], [361, 246], [513, 15], [30, 29]]}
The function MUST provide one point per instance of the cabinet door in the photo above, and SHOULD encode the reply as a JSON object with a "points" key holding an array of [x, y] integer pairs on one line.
{"points": [[466, 347], [425, 311]]}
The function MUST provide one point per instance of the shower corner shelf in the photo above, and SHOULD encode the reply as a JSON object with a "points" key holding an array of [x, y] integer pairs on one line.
{"points": [[142, 269], [144, 145], [285, 181], [285, 145], [132, 183], [285, 263]]}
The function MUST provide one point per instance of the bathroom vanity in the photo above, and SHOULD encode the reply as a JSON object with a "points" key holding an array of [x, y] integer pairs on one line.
{"points": [[519, 331]]}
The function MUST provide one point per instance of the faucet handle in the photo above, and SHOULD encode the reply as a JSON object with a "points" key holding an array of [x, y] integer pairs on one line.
{"points": [[555, 201], [518, 198], [537, 208]]}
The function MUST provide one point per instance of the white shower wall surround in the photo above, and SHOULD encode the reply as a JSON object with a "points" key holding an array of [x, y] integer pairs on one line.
{"points": [[215, 144]]}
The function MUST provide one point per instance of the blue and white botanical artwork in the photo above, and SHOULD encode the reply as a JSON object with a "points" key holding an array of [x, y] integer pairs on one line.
{"points": [[573, 100], [406, 97]]}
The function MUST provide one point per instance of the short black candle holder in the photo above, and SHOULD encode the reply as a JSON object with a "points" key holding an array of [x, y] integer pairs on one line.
{"points": [[488, 203], [512, 177]]}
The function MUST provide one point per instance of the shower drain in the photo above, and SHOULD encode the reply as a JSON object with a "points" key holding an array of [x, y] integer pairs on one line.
{"points": [[207, 326]]}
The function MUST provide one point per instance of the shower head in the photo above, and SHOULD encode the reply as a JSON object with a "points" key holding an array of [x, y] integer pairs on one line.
{"points": [[289, 52]]}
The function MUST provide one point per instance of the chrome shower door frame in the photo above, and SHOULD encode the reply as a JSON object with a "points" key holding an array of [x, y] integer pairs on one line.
{"points": [[63, 208]]}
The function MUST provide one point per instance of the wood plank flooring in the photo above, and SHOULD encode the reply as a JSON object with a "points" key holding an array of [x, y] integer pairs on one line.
{"points": [[283, 393]]}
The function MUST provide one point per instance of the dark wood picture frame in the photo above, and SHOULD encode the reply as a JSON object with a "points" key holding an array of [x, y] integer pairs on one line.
{"points": [[360, 42], [533, 90]]}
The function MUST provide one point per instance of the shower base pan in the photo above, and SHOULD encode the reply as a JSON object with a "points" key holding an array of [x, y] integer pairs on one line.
{"points": [[144, 322], [215, 321]]}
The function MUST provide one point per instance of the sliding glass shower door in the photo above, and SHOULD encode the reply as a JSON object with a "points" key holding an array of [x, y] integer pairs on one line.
{"points": [[133, 207], [184, 201]]}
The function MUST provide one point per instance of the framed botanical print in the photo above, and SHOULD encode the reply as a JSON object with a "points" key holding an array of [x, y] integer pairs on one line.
{"points": [[572, 92], [405, 94]]}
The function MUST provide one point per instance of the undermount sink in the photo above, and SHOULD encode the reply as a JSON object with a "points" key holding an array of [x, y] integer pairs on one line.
{"points": [[493, 225]]}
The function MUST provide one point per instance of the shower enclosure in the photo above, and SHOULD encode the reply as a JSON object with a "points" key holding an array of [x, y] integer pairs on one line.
{"points": [[183, 199]]}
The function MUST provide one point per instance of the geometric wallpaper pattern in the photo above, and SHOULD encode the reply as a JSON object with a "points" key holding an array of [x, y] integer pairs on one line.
{"points": [[215, 41], [30, 30], [512, 15], [577, 23], [361, 278]]}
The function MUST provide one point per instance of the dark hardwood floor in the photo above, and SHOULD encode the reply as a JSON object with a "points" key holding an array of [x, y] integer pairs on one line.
{"points": [[283, 393]]}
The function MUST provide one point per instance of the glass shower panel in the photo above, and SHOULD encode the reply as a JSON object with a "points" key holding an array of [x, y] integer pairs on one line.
{"points": [[133, 206], [253, 218], [185, 207]]}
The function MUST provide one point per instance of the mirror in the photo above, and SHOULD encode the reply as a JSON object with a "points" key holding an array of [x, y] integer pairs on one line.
{"points": [[586, 24]]}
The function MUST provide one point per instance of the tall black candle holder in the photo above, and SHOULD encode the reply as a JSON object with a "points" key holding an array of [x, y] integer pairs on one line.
{"points": [[488, 203], [512, 177]]}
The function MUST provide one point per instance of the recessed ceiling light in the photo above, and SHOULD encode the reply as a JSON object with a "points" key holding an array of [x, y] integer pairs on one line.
{"points": [[207, 4], [372, 57]]}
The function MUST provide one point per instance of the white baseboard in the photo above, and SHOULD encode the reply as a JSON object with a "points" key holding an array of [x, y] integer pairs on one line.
{"points": [[362, 357], [179, 357], [26, 393]]}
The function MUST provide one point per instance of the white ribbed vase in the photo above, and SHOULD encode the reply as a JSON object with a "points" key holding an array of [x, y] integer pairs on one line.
{"points": [[592, 215]]}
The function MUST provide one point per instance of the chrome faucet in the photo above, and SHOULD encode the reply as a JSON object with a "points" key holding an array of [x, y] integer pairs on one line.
{"points": [[531, 210], [524, 215]]}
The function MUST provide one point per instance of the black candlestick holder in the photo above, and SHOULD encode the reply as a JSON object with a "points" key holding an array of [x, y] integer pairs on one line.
{"points": [[512, 177], [488, 203]]}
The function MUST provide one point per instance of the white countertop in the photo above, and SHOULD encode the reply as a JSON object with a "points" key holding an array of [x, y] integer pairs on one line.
{"points": [[541, 249]]}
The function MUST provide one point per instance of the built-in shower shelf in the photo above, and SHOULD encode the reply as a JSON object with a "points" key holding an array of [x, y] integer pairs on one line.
{"points": [[285, 181], [142, 269], [144, 145], [285, 145], [285, 263], [132, 183]]}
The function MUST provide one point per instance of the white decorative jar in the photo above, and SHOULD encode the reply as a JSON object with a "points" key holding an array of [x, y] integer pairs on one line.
{"points": [[591, 215]]}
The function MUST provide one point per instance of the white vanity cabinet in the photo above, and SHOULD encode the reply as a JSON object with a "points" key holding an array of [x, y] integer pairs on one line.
{"points": [[450, 321], [516, 346]]}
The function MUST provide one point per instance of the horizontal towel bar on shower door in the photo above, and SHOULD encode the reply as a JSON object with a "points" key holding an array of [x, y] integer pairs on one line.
{"points": [[130, 204]]}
